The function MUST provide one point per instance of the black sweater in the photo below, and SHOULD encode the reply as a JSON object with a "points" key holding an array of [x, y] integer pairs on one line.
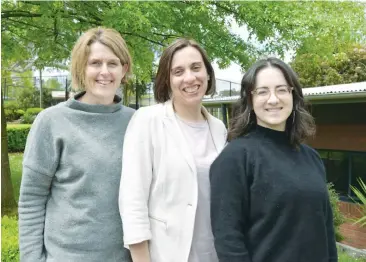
{"points": [[269, 202]]}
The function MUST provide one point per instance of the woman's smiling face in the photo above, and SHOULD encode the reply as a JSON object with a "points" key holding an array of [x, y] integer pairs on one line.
{"points": [[188, 76]]}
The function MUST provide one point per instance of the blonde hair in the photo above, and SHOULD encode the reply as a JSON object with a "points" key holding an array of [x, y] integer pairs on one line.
{"points": [[80, 53]]}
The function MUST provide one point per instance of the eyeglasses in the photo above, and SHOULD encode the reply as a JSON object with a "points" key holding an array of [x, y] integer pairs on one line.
{"points": [[265, 92]]}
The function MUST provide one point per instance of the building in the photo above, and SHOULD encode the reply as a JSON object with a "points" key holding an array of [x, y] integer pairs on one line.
{"points": [[340, 117]]}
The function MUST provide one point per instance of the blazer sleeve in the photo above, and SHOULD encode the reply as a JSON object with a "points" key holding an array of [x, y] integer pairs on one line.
{"points": [[229, 205], [136, 179], [41, 159]]}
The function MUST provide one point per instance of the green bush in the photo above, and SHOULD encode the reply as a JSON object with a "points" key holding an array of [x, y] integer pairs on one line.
{"points": [[9, 239], [338, 218], [12, 111], [30, 115], [361, 195], [28, 97], [17, 137]]}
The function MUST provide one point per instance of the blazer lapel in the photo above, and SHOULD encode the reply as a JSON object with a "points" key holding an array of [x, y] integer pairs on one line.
{"points": [[172, 127]]}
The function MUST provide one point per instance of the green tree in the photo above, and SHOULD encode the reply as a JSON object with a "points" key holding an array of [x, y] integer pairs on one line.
{"points": [[48, 29], [341, 68], [52, 84]]}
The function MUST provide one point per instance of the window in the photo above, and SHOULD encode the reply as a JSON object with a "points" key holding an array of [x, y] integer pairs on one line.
{"points": [[358, 170], [343, 168]]}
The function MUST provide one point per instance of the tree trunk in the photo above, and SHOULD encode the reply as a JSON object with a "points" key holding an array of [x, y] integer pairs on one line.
{"points": [[8, 203]]}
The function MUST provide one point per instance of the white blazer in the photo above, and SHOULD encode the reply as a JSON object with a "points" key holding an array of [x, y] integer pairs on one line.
{"points": [[158, 191]]}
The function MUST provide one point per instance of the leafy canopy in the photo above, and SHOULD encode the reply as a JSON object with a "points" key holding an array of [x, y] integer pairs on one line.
{"points": [[43, 32], [344, 67]]}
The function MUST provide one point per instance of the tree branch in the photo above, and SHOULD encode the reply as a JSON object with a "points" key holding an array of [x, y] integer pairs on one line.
{"points": [[8, 14], [143, 37], [164, 35], [26, 24], [21, 37]]}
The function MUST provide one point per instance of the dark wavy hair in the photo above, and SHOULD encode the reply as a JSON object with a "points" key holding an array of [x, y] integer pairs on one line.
{"points": [[299, 125]]}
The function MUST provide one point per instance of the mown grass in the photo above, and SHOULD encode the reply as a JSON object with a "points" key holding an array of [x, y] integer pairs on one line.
{"points": [[15, 160], [17, 125]]}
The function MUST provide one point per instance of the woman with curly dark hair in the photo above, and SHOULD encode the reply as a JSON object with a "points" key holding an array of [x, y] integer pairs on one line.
{"points": [[269, 199]]}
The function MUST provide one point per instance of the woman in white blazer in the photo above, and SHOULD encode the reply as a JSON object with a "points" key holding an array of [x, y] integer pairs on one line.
{"points": [[168, 149]]}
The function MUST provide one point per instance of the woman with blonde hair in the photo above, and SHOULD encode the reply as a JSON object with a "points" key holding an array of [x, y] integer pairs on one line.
{"points": [[168, 149], [68, 205]]}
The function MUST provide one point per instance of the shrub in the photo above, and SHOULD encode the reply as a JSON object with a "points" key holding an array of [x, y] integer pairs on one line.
{"points": [[17, 137], [9, 239], [12, 111], [338, 218], [30, 115], [29, 97], [361, 195]]}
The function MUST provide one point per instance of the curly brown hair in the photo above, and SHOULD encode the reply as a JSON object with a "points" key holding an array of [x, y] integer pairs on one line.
{"points": [[299, 125]]}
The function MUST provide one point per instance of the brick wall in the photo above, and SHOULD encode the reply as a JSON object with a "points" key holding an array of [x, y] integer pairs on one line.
{"points": [[340, 137], [354, 235]]}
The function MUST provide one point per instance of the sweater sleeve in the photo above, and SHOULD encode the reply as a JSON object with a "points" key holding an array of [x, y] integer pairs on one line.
{"points": [[41, 158], [136, 179], [332, 247], [229, 205]]}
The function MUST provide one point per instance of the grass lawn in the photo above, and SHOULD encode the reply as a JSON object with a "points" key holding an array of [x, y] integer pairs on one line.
{"points": [[344, 257], [15, 160], [17, 125], [16, 175]]}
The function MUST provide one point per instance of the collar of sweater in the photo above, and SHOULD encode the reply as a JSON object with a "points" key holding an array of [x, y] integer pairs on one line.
{"points": [[74, 103], [273, 135]]}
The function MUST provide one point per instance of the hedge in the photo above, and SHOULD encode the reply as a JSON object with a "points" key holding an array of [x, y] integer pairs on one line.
{"points": [[9, 239], [30, 114], [17, 137]]}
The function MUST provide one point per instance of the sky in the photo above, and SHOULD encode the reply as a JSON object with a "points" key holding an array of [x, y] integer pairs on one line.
{"points": [[234, 73]]}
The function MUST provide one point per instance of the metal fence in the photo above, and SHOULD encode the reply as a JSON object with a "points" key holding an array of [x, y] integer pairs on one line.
{"points": [[224, 88], [59, 87]]}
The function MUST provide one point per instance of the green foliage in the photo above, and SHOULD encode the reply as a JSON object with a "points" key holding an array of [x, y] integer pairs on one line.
{"points": [[53, 84], [16, 160], [338, 218], [34, 111], [47, 30], [30, 115], [17, 137], [344, 257], [29, 97], [345, 67], [12, 111], [9, 239], [361, 195]]}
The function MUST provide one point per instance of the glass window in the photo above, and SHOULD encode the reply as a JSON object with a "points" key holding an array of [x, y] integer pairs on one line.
{"points": [[358, 169], [337, 169]]}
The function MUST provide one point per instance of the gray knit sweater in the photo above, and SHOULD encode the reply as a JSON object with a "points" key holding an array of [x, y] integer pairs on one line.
{"points": [[68, 205]]}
